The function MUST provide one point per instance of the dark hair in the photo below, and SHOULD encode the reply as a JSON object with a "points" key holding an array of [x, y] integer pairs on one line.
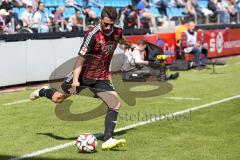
{"points": [[127, 44], [39, 4], [109, 12]]}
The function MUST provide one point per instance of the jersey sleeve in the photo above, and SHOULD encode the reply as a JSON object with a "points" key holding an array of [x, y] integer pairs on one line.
{"points": [[87, 45]]}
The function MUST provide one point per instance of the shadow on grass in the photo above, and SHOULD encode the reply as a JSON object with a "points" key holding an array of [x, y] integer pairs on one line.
{"points": [[56, 137], [99, 136]]}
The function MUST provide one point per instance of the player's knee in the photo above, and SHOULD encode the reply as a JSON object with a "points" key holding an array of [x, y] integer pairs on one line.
{"points": [[58, 98], [118, 106]]}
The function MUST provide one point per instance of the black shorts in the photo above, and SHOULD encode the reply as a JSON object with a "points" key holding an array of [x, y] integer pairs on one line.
{"points": [[94, 85]]}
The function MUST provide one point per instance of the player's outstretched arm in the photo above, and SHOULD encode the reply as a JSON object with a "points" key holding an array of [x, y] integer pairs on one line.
{"points": [[76, 73]]}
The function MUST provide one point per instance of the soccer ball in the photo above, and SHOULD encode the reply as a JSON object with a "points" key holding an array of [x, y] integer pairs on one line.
{"points": [[86, 142]]}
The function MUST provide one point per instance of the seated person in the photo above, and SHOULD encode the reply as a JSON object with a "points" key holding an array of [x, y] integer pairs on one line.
{"points": [[91, 17], [27, 16], [135, 64], [189, 44], [42, 20], [130, 17], [59, 21], [3, 26], [179, 30], [76, 21]]}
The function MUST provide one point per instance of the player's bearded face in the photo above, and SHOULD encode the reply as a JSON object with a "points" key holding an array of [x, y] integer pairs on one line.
{"points": [[107, 25]]}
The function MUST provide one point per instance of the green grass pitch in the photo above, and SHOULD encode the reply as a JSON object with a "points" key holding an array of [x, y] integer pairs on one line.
{"points": [[209, 133]]}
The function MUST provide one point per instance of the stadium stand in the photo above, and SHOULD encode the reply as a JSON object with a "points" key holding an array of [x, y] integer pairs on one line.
{"points": [[174, 12]]}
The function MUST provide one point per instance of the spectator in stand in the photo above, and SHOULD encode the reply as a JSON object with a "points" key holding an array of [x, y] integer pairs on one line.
{"points": [[58, 15], [91, 17], [232, 11], [59, 21], [35, 5], [76, 21], [17, 3], [26, 2], [7, 5], [95, 2], [237, 6], [189, 44], [145, 13], [161, 6], [42, 19], [130, 17], [223, 11], [27, 16], [212, 6], [193, 10], [3, 26], [177, 3]]}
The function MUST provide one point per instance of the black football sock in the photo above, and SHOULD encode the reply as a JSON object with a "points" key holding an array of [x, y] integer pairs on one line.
{"points": [[110, 123], [48, 93]]}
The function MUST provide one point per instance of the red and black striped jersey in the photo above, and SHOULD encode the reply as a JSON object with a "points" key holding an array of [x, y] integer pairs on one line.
{"points": [[97, 49]]}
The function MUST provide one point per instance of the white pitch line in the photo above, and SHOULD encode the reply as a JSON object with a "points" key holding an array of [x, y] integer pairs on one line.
{"points": [[16, 102], [65, 145], [182, 98]]}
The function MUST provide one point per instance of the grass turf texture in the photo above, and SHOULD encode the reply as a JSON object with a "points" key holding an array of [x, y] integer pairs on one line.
{"points": [[211, 134]]}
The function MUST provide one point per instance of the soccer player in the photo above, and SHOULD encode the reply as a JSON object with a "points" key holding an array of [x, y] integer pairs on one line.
{"points": [[91, 70]]}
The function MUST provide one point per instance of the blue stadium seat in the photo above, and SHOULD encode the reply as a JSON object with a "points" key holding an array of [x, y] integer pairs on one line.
{"points": [[69, 12], [203, 4], [47, 11], [154, 11], [16, 10], [20, 12], [55, 3], [106, 2], [47, 3], [128, 2], [51, 9], [61, 2], [121, 3], [174, 12], [97, 11], [79, 2]]}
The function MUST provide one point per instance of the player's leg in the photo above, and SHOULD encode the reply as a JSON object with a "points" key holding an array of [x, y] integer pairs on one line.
{"points": [[196, 52], [111, 98], [105, 91], [50, 93], [57, 96]]}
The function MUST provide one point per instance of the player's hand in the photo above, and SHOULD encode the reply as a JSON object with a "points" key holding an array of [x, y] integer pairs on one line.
{"points": [[73, 90]]}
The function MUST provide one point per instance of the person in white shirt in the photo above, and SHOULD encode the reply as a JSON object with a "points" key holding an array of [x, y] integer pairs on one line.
{"points": [[134, 55], [134, 64], [190, 44], [42, 19], [27, 16]]}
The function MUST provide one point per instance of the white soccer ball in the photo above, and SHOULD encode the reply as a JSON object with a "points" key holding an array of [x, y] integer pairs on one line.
{"points": [[86, 142]]}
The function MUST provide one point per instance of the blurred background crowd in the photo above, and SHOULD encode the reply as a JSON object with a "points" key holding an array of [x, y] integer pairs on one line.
{"points": [[41, 16]]}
